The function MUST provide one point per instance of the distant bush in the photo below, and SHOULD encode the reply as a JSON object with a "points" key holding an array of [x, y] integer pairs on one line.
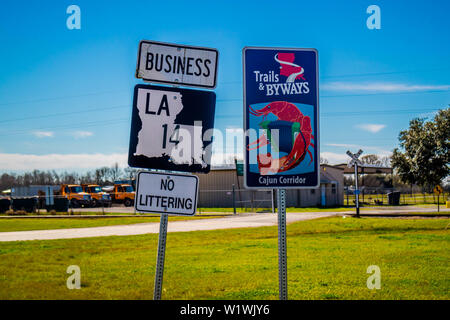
{"points": [[16, 213]]}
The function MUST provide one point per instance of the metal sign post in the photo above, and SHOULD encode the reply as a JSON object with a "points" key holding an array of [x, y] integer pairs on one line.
{"points": [[168, 132], [282, 249], [272, 197], [281, 128], [164, 193], [161, 255], [438, 190]]}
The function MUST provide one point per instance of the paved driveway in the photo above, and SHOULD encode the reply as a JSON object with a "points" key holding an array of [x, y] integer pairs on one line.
{"points": [[244, 221]]}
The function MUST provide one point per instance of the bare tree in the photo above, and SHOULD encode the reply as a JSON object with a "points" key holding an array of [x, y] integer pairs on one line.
{"points": [[115, 172]]}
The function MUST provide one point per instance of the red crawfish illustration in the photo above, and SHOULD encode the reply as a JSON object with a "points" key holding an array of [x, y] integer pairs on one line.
{"points": [[288, 112]]}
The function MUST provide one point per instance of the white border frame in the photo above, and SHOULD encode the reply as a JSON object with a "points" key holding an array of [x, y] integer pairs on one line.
{"points": [[170, 174], [177, 84]]}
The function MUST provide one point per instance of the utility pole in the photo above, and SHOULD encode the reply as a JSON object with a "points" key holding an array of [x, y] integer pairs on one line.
{"points": [[356, 190]]}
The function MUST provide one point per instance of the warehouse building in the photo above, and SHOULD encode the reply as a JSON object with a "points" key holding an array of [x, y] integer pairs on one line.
{"points": [[221, 187]]}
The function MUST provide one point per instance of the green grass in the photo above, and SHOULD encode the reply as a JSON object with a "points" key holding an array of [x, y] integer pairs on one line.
{"points": [[18, 224], [327, 259], [290, 209]]}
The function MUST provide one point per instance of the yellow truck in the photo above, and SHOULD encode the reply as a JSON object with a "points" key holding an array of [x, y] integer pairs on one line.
{"points": [[123, 193], [74, 193], [99, 197]]}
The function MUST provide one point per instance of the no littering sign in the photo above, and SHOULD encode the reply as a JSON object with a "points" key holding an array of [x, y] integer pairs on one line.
{"points": [[166, 193]]}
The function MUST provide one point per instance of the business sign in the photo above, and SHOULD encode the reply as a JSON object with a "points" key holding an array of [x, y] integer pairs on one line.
{"points": [[166, 193], [176, 64], [171, 129], [281, 118]]}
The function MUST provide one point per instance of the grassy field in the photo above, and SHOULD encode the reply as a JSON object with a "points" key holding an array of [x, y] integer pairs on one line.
{"points": [[17, 224], [327, 259], [290, 209]]}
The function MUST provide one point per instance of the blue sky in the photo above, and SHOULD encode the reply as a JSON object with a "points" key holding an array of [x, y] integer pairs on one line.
{"points": [[65, 95]]}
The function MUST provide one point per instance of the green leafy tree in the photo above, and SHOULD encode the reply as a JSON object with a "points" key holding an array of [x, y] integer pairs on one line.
{"points": [[423, 157]]}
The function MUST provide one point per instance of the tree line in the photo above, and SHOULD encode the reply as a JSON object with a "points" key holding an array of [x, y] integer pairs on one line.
{"points": [[101, 176]]}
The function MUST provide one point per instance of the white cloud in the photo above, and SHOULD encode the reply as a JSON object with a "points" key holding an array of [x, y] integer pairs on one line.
{"points": [[17, 161], [342, 145], [342, 157], [224, 158], [356, 147], [82, 134], [43, 134], [374, 128], [380, 87], [334, 157], [234, 130], [26, 162], [337, 158]]}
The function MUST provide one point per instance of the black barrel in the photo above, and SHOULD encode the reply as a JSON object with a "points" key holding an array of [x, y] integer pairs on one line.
{"points": [[61, 204], [394, 198], [27, 204], [4, 205]]}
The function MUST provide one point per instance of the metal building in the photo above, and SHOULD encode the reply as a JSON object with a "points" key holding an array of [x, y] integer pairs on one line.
{"points": [[216, 190]]}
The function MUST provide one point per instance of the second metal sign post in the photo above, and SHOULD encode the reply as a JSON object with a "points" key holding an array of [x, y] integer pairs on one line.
{"points": [[168, 131], [281, 125]]}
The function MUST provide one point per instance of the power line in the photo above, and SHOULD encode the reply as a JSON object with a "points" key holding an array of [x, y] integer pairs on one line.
{"points": [[50, 115], [101, 123], [58, 98], [68, 126], [224, 82], [384, 93], [360, 94], [358, 113], [218, 100], [382, 73], [352, 75]]}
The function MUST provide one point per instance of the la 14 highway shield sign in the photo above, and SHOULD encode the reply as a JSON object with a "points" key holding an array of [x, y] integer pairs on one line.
{"points": [[281, 118], [171, 129]]}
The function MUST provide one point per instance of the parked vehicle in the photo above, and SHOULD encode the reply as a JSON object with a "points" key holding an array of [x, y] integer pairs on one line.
{"points": [[74, 193], [43, 197], [123, 193], [5, 204], [99, 197], [28, 204]]}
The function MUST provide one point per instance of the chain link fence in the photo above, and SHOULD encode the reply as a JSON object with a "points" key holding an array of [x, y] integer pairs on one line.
{"points": [[233, 199], [265, 199], [391, 196]]}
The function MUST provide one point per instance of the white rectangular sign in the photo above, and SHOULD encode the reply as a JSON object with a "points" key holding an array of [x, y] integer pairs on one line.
{"points": [[177, 64], [158, 192]]}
